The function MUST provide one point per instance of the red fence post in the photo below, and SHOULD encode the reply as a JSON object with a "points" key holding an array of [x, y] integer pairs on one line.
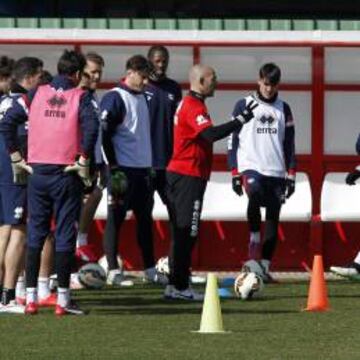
{"points": [[317, 144]]}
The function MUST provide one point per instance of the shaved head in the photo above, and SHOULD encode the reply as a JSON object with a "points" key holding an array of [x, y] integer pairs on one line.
{"points": [[198, 71], [202, 79]]}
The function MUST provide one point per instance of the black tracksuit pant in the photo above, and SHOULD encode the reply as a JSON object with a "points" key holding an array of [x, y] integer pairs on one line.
{"points": [[185, 198], [138, 198]]}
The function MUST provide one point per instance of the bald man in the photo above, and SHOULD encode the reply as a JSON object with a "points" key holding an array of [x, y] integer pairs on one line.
{"points": [[188, 172]]}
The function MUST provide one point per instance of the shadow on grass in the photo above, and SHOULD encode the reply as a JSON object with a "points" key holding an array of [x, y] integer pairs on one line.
{"points": [[176, 310], [123, 301], [345, 296]]}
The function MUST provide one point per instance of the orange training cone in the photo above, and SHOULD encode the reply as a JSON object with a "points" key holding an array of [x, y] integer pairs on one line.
{"points": [[317, 299]]}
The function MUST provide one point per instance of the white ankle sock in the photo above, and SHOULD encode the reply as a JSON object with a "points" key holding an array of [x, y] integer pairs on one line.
{"points": [[31, 295], [20, 290], [43, 287], [63, 297], [255, 237]]}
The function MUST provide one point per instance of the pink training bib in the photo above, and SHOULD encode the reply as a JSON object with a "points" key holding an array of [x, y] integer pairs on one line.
{"points": [[54, 131]]}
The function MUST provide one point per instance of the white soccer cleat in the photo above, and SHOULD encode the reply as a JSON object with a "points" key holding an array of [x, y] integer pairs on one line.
{"points": [[351, 271], [154, 276], [117, 278], [12, 308], [188, 294]]}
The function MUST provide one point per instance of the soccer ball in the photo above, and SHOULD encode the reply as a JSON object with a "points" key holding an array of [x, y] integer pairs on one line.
{"points": [[104, 264], [162, 265], [255, 267], [92, 276], [247, 284]]}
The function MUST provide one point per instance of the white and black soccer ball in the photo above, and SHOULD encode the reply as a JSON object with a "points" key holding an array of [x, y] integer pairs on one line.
{"points": [[162, 265], [104, 264], [247, 285], [92, 276], [253, 266]]}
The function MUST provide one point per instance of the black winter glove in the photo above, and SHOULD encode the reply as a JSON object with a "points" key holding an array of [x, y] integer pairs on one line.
{"points": [[247, 114], [237, 185], [352, 177], [289, 187]]}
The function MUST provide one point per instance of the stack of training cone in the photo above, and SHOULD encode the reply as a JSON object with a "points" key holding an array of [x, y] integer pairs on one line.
{"points": [[317, 299], [211, 318]]}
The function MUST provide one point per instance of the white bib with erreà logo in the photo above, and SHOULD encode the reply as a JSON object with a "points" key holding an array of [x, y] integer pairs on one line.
{"points": [[261, 140]]}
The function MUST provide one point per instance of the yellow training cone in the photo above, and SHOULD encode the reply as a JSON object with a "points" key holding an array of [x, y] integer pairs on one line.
{"points": [[211, 318]]}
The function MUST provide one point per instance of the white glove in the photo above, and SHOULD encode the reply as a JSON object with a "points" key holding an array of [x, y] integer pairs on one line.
{"points": [[20, 169], [82, 168]]}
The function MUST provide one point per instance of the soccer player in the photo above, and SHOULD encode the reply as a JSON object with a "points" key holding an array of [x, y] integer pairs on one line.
{"points": [[45, 297], [188, 172], [351, 270], [163, 95], [90, 80], [127, 145], [26, 74], [6, 67], [262, 160], [63, 127]]}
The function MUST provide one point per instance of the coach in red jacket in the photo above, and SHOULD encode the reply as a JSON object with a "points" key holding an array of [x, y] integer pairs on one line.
{"points": [[188, 172]]}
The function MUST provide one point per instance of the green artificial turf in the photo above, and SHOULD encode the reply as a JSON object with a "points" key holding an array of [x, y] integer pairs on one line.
{"points": [[138, 324]]}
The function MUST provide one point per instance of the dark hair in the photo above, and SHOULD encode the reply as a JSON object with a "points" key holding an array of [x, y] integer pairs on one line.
{"points": [[138, 63], [26, 66], [45, 78], [6, 66], [270, 72], [158, 48], [71, 62], [95, 58]]}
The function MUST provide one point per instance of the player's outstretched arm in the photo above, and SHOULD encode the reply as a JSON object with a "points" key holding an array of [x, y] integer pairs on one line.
{"points": [[215, 133]]}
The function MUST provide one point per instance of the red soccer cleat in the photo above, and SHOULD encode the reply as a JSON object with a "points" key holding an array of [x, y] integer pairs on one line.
{"points": [[31, 309], [49, 301], [71, 309]]}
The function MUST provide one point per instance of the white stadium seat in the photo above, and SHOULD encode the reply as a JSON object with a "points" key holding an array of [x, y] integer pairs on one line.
{"points": [[221, 203], [299, 206], [339, 202], [101, 211]]}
